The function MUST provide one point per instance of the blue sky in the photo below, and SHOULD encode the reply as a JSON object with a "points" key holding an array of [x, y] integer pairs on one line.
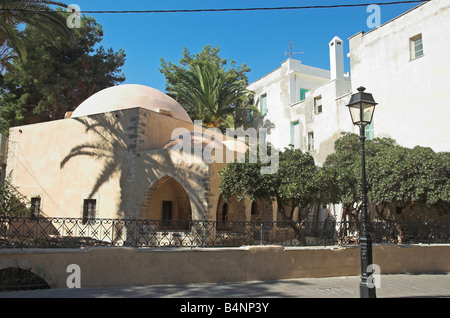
{"points": [[257, 38]]}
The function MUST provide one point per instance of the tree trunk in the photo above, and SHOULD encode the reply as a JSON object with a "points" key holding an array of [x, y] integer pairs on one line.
{"points": [[347, 210], [401, 236], [398, 226], [297, 227]]}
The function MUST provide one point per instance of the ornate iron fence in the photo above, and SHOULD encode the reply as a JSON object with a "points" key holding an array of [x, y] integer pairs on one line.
{"points": [[25, 232]]}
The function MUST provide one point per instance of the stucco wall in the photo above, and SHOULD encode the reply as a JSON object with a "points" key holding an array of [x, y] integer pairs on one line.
{"points": [[282, 87], [413, 94], [62, 162], [114, 158], [127, 266]]}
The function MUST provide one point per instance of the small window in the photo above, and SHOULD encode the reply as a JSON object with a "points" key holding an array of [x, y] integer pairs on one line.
{"points": [[249, 115], [310, 141], [89, 210], [295, 134], [303, 93], [416, 47], [368, 131], [35, 207], [263, 105], [318, 105]]}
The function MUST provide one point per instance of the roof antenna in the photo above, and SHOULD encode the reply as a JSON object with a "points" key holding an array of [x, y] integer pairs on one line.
{"points": [[292, 53]]}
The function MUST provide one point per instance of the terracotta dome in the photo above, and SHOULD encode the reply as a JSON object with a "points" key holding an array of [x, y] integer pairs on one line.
{"points": [[130, 96]]}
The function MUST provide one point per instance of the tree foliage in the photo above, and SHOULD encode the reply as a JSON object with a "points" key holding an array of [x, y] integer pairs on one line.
{"points": [[207, 90], [12, 202], [36, 13], [397, 177], [341, 175], [410, 176], [294, 186], [57, 75]]}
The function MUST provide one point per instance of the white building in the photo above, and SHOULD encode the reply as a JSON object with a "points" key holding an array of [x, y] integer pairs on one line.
{"points": [[405, 64], [303, 105]]}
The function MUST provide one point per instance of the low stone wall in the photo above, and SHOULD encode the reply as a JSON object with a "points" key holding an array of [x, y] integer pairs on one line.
{"points": [[110, 266]]}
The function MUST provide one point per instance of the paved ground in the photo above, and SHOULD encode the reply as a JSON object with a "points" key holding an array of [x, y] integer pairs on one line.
{"points": [[392, 286]]}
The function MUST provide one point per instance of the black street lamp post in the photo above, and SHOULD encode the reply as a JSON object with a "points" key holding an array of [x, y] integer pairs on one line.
{"points": [[362, 106]]}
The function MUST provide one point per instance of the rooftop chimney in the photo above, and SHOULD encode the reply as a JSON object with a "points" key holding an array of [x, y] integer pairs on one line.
{"points": [[336, 58]]}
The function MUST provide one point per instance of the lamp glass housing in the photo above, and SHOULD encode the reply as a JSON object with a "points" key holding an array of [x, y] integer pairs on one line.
{"points": [[361, 106], [362, 113]]}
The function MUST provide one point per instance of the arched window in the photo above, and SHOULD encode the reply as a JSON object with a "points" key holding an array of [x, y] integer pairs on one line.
{"points": [[254, 210], [225, 212]]}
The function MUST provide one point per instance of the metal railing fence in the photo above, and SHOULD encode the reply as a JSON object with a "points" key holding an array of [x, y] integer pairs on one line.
{"points": [[28, 232]]}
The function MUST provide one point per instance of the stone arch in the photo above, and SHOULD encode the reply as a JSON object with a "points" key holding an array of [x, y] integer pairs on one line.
{"points": [[167, 200], [45, 278], [230, 210], [223, 213], [220, 214], [16, 278], [261, 210]]}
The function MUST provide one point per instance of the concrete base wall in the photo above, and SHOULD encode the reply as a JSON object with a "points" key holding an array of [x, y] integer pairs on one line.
{"points": [[101, 267]]}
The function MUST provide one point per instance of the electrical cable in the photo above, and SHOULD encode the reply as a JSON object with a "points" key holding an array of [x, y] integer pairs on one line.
{"points": [[230, 9]]}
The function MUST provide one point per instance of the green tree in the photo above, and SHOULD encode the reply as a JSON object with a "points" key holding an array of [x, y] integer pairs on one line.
{"points": [[395, 175], [57, 76], [409, 177], [342, 171], [208, 91], [294, 186], [12, 202], [37, 13], [341, 176]]}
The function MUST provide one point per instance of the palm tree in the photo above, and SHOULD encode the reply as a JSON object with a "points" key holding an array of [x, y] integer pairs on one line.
{"points": [[211, 94], [14, 13]]}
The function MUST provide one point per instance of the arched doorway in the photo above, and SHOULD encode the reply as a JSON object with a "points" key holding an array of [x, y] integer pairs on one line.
{"points": [[223, 214], [167, 202], [261, 210], [14, 278]]}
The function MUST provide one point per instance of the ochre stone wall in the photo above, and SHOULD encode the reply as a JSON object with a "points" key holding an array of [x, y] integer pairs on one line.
{"points": [[139, 267]]}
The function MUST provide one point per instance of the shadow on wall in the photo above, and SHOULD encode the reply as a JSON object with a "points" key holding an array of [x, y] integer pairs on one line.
{"points": [[165, 164], [108, 146], [113, 144]]}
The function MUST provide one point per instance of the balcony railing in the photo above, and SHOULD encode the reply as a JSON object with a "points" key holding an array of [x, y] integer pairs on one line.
{"points": [[22, 232]]}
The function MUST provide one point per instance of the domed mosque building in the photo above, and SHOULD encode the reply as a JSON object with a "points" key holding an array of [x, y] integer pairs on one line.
{"points": [[127, 152]]}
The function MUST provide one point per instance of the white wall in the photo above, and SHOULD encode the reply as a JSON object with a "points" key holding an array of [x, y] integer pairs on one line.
{"points": [[327, 125], [284, 106], [413, 95], [282, 87]]}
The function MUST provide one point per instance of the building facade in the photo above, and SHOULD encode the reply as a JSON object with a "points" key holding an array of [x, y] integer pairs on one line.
{"points": [[116, 156], [119, 156], [405, 64], [303, 106]]}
